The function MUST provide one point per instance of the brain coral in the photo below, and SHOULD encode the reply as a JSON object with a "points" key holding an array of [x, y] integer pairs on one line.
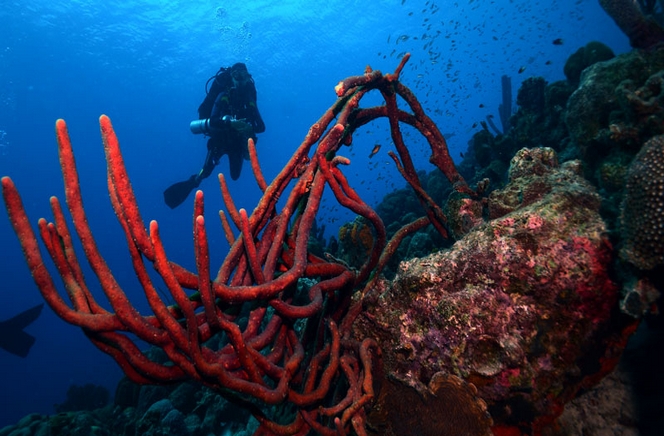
{"points": [[642, 210]]}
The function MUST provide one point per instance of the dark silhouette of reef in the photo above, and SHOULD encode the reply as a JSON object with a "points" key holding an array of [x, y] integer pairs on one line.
{"points": [[86, 397]]}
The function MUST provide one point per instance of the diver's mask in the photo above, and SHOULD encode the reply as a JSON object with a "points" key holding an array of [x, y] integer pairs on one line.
{"points": [[241, 78]]}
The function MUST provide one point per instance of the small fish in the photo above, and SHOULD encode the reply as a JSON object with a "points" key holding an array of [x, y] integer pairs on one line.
{"points": [[558, 41], [481, 105], [461, 154], [548, 63], [474, 125], [374, 150], [522, 69]]}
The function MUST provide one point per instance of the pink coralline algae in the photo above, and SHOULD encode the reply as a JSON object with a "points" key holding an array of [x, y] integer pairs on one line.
{"points": [[518, 307]]}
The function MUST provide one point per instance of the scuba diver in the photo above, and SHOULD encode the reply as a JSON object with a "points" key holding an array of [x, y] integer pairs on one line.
{"points": [[229, 116]]}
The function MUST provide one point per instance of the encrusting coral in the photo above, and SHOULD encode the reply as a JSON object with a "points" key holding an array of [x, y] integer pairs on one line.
{"points": [[513, 306]]}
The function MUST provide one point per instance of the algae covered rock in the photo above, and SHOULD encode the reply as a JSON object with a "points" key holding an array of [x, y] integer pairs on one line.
{"points": [[514, 307]]}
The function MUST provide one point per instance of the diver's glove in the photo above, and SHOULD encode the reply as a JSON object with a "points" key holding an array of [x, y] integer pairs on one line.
{"points": [[242, 127], [223, 123]]}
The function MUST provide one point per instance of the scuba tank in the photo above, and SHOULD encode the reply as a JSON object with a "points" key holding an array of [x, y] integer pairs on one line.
{"points": [[215, 85]]}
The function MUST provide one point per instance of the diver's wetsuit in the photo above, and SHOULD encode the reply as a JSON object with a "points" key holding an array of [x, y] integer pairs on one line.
{"points": [[231, 102]]}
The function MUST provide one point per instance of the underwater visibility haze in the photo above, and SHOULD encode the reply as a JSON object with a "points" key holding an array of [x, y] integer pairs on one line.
{"points": [[145, 64]]}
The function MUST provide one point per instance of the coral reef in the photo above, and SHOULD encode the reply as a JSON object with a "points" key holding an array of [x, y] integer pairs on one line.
{"points": [[615, 111], [538, 122], [499, 330], [86, 397], [529, 180], [584, 57], [513, 306], [450, 405], [610, 94], [607, 409], [639, 297], [642, 31], [617, 107], [283, 355], [355, 242], [185, 409], [531, 95], [464, 214], [642, 210]]}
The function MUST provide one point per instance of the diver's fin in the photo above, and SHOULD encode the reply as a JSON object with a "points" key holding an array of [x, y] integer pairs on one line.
{"points": [[175, 194], [12, 336], [235, 161]]}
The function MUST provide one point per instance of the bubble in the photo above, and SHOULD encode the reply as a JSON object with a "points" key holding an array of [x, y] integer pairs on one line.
{"points": [[4, 143], [234, 32]]}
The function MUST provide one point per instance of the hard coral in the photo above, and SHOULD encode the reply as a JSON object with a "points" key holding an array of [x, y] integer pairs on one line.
{"points": [[613, 92], [618, 107], [513, 307], [450, 405], [642, 210], [611, 175], [642, 31], [584, 57], [531, 95], [643, 107]]}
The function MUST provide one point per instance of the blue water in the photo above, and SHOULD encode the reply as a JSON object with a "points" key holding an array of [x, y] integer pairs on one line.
{"points": [[145, 64]]}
